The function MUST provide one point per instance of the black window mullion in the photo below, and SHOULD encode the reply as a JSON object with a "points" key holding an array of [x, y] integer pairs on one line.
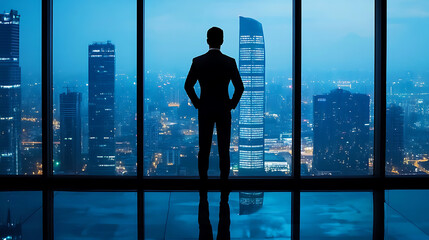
{"points": [[380, 63], [48, 213], [47, 88], [296, 89], [140, 86], [140, 117], [380, 88], [296, 115]]}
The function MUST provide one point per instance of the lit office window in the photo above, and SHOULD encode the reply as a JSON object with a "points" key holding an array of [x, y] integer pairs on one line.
{"points": [[94, 97], [407, 93], [95, 215], [258, 34], [20, 218], [20, 88], [337, 87]]}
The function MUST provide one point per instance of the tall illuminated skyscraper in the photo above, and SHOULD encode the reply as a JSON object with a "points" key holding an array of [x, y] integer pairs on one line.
{"points": [[251, 120], [10, 94], [70, 133], [101, 100]]}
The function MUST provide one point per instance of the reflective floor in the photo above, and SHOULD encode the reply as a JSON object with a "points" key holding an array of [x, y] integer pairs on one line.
{"points": [[214, 215], [240, 215], [257, 215]]}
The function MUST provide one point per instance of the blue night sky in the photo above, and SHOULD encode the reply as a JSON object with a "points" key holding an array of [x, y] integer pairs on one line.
{"points": [[175, 33]]}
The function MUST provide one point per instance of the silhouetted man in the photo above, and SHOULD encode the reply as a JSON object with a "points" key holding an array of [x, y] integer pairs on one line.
{"points": [[214, 71]]}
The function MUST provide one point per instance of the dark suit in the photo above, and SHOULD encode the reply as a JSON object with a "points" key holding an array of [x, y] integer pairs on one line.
{"points": [[214, 71]]}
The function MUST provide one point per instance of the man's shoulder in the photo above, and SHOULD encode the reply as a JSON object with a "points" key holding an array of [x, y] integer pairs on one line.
{"points": [[199, 58], [228, 58], [208, 59]]}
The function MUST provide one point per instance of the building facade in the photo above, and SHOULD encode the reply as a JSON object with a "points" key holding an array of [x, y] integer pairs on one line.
{"points": [[341, 133], [70, 133], [101, 100], [395, 139], [252, 103], [10, 94]]}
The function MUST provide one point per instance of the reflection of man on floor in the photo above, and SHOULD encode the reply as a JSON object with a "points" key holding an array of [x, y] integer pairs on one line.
{"points": [[206, 232], [214, 71]]}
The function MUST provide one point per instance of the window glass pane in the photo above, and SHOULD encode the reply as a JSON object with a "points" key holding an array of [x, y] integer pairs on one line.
{"points": [[406, 214], [337, 87], [336, 215], [407, 118], [193, 215], [20, 218], [95, 215], [94, 87], [20, 87], [258, 35]]}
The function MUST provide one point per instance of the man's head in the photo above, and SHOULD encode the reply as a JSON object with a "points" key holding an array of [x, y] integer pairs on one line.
{"points": [[215, 37]]}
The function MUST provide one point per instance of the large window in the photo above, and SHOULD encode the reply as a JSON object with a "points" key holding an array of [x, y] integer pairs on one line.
{"points": [[261, 125], [94, 96], [407, 93], [337, 87], [20, 88]]}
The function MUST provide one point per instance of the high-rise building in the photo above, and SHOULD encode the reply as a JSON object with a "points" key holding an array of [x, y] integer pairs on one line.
{"points": [[252, 103], [70, 133], [10, 94], [341, 133], [394, 138], [101, 100]]}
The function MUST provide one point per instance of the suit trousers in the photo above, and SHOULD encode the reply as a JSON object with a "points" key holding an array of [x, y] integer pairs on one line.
{"points": [[206, 127]]}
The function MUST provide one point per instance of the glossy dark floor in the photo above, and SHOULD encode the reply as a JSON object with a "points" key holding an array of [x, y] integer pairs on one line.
{"points": [[237, 215]]}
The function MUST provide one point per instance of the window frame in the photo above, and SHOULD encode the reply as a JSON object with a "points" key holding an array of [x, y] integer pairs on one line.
{"points": [[376, 183]]}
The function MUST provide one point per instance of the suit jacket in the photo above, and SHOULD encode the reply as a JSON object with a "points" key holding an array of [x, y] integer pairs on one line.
{"points": [[214, 71]]}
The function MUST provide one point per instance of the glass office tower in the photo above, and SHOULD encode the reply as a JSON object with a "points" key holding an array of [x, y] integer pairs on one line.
{"points": [[101, 100], [10, 94], [341, 133], [70, 133], [395, 141], [251, 120]]}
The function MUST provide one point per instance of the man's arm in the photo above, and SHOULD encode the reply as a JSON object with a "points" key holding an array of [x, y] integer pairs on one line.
{"points": [[238, 86], [191, 80]]}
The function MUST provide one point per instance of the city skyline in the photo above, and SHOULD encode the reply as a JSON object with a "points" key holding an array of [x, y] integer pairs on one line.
{"points": [[178, 141], [337, 73]]}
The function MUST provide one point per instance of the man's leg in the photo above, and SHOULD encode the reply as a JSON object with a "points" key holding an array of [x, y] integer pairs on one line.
{"points": [[206, 231], [205, 126], [223, 126], [223, 232]]}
